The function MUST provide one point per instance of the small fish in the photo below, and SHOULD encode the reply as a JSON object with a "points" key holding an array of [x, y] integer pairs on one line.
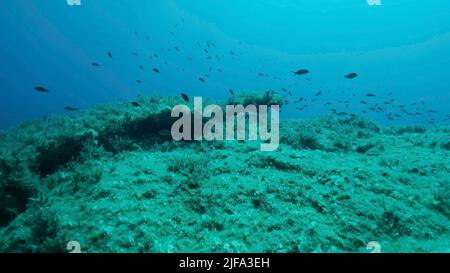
{"points": [[185, 97], [70, 109], [138, 81], [156, 70], [284, 89], [231, 92], [110, 55], [301, 72], [95, 64], [164, 133], [351, 76], [260, 74], [141, 67], [201, 79], [232, 53], [134, 53], [135, 104], [363, 102], [176, 48], [341, 113], [41, 89], [219, 70], [370, 95], [319, 93]]}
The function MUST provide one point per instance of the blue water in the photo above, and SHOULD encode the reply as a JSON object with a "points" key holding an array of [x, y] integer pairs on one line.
{"points": [[401, 47]]}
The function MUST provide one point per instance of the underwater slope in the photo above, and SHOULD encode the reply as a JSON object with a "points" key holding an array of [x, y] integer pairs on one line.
{"points": [[111, 179]]}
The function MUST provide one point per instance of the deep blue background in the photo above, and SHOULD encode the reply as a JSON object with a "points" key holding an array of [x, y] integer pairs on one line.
{"points": [[401, 47]]}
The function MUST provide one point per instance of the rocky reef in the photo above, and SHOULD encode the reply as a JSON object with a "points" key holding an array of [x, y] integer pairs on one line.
{"points": [[112, 179]]}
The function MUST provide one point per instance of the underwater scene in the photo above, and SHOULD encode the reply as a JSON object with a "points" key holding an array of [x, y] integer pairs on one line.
{"points": [[224, 126]]}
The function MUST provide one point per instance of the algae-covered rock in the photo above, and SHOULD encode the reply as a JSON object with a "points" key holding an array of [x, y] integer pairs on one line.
{"points": [[446, 146], [253, 98]]}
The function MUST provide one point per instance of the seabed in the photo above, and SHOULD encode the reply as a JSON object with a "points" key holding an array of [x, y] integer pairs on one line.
{"points": [[108, 179]]}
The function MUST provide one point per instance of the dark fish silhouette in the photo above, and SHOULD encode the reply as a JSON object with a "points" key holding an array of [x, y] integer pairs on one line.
{"points": [[134, 53], [135, 104], [231, 92], [95, 64], [41, 89], [301, 72], [370, 95], [156, 70], [351, 76], [70, 109], [201, 79], [110, 54], [185, 97], [138, 81], [319, 93], [141, 67]]}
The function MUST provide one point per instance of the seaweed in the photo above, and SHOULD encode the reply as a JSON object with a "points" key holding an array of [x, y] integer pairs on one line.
{"points": [[446, 146], [16, 187]]}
